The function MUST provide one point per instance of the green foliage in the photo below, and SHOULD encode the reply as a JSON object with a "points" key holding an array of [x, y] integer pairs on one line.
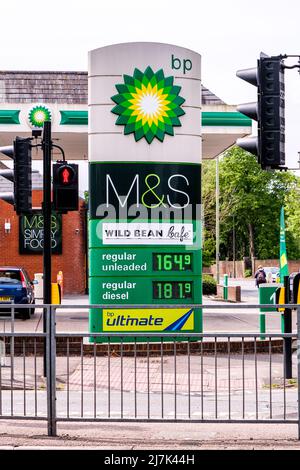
{"points": [[248, 273], [209, 285], [292, 212], [209, 204], [250, 203], [86, 196], [209, 249]]}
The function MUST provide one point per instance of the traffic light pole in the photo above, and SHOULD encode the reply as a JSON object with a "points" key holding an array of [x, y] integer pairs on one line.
{"points": [[47, 210], [287, 343]]}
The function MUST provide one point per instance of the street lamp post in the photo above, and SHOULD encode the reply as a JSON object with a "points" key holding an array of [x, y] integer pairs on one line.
{"points": [[233, 246]]}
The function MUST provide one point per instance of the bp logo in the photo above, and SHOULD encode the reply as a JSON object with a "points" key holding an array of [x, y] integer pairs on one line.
{"points": [[148, 105], [38, 115]]}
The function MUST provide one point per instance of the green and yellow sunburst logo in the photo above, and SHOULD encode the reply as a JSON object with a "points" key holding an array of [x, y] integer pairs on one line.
{"points": [[38, 115], [148, 105]]}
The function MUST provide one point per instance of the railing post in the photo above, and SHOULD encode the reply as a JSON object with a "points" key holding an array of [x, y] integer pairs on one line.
{"points": [[288, 329], [262, 325], [12, 344], [51, 372], [298, 366]]}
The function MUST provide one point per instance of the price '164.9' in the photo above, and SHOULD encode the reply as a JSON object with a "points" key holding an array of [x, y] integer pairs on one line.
{"points": [[172, 261]]}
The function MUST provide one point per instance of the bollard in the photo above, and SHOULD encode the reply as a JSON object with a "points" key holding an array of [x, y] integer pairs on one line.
{"points": [[60, 281], [225, 290], [262, 325]]}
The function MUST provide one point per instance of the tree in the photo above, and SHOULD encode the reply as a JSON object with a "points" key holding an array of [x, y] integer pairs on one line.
{"points": [[250, 202], [209, 205], [292, 211]]}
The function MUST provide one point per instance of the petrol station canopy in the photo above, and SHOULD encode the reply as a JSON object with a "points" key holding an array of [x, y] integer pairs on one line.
{"points": [[64, 95]]}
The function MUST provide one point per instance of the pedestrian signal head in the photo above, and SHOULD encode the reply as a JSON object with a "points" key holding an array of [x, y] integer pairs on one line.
{"points": [[66, 175], [65, 187]]}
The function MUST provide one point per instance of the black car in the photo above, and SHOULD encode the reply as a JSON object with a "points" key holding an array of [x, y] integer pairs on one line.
{"points": [[17, 288]]}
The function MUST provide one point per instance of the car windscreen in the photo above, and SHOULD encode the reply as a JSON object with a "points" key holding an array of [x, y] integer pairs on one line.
{"points": [[10, 277]]}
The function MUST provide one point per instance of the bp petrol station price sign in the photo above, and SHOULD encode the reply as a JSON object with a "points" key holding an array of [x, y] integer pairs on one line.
{"points": [[145, 187], [172, 262]]}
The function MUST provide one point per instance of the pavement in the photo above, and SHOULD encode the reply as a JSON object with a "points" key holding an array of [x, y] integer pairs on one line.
{"points": [[22, 435], [189, 374]]}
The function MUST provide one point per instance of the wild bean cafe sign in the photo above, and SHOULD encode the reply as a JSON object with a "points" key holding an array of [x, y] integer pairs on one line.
{"points": [[145, 188], [31, 233]]}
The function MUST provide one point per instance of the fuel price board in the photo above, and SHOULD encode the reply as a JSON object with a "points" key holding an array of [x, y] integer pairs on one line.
{"points": [[145, 188]]}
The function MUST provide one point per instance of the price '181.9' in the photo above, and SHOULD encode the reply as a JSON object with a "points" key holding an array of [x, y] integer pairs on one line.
{"points": [[172, 289]]}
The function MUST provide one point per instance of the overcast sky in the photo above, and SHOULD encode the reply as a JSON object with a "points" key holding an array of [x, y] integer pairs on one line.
{"points": [[229, 35]]}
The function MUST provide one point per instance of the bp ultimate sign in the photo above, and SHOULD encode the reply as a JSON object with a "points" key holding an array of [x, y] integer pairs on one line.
{"points": [[145, 188]]}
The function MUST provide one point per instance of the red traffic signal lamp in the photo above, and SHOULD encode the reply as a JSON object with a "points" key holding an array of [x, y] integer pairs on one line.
{"points": [[65, 187]]}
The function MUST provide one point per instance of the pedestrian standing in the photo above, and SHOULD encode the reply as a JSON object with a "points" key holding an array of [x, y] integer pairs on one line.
{"points": [[260, 276]]}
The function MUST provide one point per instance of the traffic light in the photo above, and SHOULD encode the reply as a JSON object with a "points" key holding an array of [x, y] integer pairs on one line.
{"points": [[268, 111], [65, 187], [22, 175], [21, 197], [8, 150]]}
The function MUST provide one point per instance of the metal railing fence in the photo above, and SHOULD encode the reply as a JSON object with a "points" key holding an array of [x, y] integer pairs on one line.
{"points": [[180, 377]]}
